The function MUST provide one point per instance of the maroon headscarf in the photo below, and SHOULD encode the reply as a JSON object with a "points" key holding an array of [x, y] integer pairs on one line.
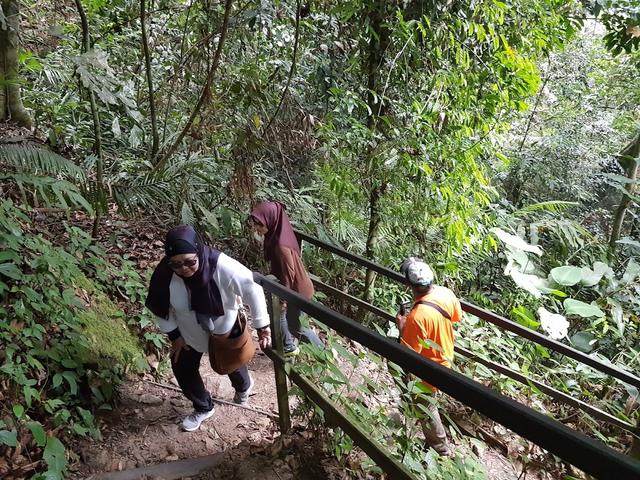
{"points": [[273, 216], [205, 295]]}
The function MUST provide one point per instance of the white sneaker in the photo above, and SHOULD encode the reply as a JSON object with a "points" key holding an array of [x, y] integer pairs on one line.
{"points": [[242, 398], [193, 421]]}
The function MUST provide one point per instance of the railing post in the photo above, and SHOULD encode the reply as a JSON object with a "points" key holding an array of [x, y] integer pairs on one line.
{"points": [[282, 389]]}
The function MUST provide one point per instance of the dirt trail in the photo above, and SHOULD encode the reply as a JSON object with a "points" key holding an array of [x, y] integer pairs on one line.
{"points": [[145, 430]]}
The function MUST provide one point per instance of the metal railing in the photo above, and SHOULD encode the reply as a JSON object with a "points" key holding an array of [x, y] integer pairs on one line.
{"points": [[519, 377], [576, 448], [486, 315]]}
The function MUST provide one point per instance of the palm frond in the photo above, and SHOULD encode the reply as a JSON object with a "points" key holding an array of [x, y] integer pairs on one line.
{"points": [[49, 191], [349, 232], [145, 193], [54, 75], [40, 161], [186, 214], [553, 206]]}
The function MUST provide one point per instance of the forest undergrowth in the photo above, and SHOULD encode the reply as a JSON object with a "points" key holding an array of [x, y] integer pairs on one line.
{"points": [[498, 140]]}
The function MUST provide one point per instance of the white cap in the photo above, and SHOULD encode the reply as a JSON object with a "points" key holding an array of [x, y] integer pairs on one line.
{"points": [[417, 272]]}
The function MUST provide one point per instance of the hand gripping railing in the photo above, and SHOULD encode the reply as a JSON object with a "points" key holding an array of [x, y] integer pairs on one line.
{"points": [[576, 448], [487, 316]]}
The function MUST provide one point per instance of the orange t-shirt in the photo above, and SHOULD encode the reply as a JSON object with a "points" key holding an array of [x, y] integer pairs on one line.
{"points": [[426, 323]]}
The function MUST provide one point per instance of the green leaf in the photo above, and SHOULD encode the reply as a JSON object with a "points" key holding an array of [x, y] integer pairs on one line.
{"points": [[38, 433], [525, 317], [9, 439], [543, 352], [583, 341], [533, 284], [604, 269], [57, 380], [515, 242], [522, 259], [226, 221], [628, 241], [71, 377], [69, 363], [558, 293], [10, 270], [9, 255], [590, 278], [115, 127], [554, 324], [29, 393], [567, 275], [584, 310], [18, 411], [631, 272], [554, 206], [30, 159], [54, 455], [617, 314]]}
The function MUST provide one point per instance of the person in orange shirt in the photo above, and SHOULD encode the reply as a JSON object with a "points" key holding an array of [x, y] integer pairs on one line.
{"points": [[428, 330]]}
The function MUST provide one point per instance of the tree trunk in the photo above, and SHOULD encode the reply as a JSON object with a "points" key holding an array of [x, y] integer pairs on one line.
{"points": [[378, 42], [206, 89], [11, 107], [99, 202], [375, 220], [629, 161], [376, 47], [147, 60]]}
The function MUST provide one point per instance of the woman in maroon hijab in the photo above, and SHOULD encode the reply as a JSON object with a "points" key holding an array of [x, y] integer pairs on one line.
{"points": [[281, 249]]}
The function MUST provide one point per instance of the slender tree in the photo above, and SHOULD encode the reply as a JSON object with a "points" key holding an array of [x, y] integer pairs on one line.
{"points": [[206, 89], [99, 197], [629, 159], [147, 60], [11, 107], [378, 41]]}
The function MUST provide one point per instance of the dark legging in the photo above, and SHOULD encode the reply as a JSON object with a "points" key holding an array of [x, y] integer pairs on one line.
{"points": [[187, 372], [292, 328]]}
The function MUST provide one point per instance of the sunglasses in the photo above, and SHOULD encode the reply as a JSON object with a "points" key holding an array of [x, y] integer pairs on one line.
{"points": [[185, 263]]}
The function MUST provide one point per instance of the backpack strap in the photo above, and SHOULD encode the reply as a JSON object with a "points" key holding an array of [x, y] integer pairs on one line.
{"points": [[435, 306]]}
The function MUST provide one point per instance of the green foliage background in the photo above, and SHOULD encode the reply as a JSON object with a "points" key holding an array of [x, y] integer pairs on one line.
{"points": [[428, 128]]}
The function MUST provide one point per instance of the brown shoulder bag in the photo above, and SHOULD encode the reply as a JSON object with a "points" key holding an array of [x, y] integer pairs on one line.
{"points": [[227, 355]]}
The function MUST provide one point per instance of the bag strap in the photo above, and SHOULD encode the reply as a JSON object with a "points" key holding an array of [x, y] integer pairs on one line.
{"points": [[435, 306]]}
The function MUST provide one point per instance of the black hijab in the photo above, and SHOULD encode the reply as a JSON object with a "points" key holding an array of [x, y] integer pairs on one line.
{"points": [[205, 295]]}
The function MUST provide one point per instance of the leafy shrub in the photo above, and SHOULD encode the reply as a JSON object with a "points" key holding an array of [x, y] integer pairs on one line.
{"points": [[65, 344], [373, 394]]}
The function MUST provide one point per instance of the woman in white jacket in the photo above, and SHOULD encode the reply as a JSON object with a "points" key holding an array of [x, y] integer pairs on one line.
{"points": [[195, 292]]}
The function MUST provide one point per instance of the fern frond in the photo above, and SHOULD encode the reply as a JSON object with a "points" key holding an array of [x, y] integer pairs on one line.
{"points": [[54, 76], [186, 214], [40, 161], [348, 232], [51, 192], [143, 194], [553, 206]]}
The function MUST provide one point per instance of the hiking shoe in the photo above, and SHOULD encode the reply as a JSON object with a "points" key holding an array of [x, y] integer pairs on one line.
{"points": [[193, 421], [430, 459], [242, 398], [293, 351]]}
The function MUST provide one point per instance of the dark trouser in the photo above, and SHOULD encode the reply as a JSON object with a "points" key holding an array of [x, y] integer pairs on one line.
{"points": [[292, 327], [434, 432], [187, 372]]}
